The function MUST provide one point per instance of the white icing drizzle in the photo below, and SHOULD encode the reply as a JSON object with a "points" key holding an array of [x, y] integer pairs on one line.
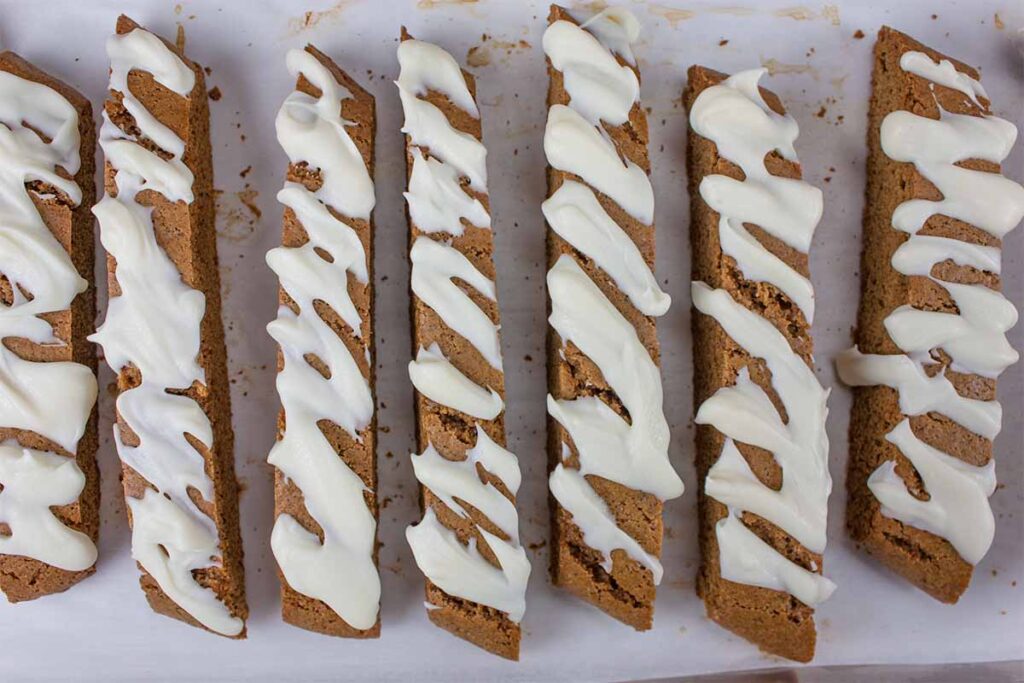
{"points": [[974, 337], [600, 88], [435, 377], [35, 481], [574, 212], [573, 145], [340, 570], [434, 266], [617, 29], [438, 203], [154, 326], [744, 413], [736, 118], [426, 67], [633, 453], [52, 399]]}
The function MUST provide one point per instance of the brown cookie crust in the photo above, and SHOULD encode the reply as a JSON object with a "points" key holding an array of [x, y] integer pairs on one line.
{"points": [[360, 455], [451, 432], [187, 233], [23, 578], [926, 560], [775, 621], [627, 592]]}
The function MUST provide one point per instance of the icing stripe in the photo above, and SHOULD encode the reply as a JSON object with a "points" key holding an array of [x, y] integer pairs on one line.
{"points": [[154, 326], [974, 337], [629, 451], [338, 570], [52, 399], [438, 204], [734, 115]]}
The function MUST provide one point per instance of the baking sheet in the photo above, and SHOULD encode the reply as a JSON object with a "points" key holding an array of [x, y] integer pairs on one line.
{"points": [[820, 68]]}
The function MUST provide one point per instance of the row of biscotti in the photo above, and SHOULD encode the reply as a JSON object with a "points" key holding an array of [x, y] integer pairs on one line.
{"points": [[162, 334], [762, 449]]}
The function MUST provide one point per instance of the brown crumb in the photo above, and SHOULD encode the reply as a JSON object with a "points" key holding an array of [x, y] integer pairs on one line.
{"points": [[179, 40], [858, 34], [214, 94], [821, 112], [245, 171], [723, 42], [998, 21]]}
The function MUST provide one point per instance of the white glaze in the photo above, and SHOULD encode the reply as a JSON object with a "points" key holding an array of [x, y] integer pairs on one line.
{"points": [[734, 116], [52, 399], [434, 266], [943, 72], [633, 453], [574, 212], [573, 145], [34, 482], [426, 67], [955, 488], [744, 413], [439, 204], [974, 337], [617, 29], [599, 87], [435, 377], [462, 571], [154, 325], [312, 129], [340, 570]]}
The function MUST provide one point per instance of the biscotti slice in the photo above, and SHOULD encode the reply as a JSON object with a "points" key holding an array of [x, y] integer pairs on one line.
{"points": [[467, 544], [163, 334], [607, 434], [761, 445], [325, 528], [49, 483], [931, 329]]}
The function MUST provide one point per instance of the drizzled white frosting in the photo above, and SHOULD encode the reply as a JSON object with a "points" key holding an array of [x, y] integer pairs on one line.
{"points": [[574, 212], [974, 337], [52, 399], [631, 452], [340, 570], [434, 267], [426, 67], [744, 413], [438, 203], [600, 88], [573, 145], [154, 325], [735, 116]]}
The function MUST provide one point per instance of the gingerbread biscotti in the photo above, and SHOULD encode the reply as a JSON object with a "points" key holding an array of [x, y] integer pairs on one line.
{"points": [[607, 435], [931, 329], [467, 544], [49, 482], [325, 529], [761, 445], [163, 333]]}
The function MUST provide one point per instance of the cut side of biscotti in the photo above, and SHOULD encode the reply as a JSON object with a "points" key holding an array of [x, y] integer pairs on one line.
{"points": [[49, 482], [325, 529], [163, 334], [931, 328], [467, 544], [607, 435], [761, 445]]}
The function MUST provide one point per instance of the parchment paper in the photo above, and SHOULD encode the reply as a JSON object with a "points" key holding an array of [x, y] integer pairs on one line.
{"points": [[821, 69]]}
